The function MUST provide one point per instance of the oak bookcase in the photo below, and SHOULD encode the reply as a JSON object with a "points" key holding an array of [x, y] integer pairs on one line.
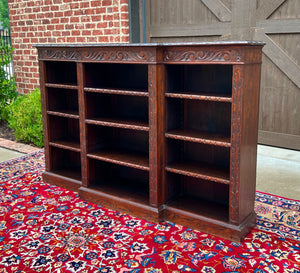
{"points": [[159, 131]]}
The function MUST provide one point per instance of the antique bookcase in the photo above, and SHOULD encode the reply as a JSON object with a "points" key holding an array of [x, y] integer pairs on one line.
{"points": [[159, 131]]}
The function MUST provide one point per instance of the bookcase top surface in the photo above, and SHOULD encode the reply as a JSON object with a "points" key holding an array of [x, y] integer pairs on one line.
{"points": [[218, 43]]}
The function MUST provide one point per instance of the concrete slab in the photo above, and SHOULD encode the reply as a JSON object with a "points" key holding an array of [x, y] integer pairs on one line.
{"points": [[278, 171], [6, 154]]}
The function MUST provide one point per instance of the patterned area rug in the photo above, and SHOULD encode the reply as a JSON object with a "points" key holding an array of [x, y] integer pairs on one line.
{"points": [[44, 228]]}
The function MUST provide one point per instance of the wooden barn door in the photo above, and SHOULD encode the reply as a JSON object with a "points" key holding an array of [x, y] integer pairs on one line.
{"points": [[276, 22]]}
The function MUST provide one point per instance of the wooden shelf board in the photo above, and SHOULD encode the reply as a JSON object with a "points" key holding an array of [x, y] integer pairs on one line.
{"points": [[200, 96], [66, 144], [63, 86], [122, 158], [142, 93], [64, 113], [200, 207], [203, 171], [70, 173], [126, 124], [199, 137]]}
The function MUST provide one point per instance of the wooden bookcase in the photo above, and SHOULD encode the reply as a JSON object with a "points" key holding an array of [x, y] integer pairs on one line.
{"points": [[159, 131]]}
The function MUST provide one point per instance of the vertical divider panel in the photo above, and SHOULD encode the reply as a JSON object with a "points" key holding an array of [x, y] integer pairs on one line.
{"points": [[156, 134], [82, 125], [44, 102]]}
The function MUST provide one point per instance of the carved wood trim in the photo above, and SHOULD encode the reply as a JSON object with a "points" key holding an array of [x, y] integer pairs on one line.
{"points": [[117, 55], [202, 55], [60, 54], [98, 54]]}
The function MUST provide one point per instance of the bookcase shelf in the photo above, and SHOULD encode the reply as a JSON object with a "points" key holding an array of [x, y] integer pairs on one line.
{"points": [[142, 93], [165, 132]]}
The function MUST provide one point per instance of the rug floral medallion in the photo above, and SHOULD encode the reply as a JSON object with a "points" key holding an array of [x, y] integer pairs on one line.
{"points": [[44, 228]]}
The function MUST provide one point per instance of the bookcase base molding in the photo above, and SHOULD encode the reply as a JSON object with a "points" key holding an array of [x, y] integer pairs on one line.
{"points": [[158, 131]]}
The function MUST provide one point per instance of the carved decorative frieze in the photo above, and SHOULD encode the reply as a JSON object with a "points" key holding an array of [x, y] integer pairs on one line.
{"points": [[202, 55], [118, 55], [60, 54]]}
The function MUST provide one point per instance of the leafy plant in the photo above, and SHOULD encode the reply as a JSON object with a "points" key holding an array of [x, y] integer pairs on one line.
{"points": [[7, 85], [4, 15], [24, 116]]}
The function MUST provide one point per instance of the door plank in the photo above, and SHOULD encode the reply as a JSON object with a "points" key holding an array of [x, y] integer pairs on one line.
{"points": [[218, 9], [267, 8], [189, 30], [280, 58], [280, 26]]}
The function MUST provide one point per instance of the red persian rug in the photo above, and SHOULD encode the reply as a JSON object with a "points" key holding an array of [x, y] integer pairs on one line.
{"points": [[44, 228]]}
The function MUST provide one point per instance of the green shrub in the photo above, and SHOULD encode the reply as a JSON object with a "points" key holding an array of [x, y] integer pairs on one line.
{"points": [[7, 85], [24, 116]]}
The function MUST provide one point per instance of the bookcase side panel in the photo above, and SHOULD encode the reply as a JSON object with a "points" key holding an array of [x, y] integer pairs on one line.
{"points": [[248, 161], [44, 102], [235, 153]]}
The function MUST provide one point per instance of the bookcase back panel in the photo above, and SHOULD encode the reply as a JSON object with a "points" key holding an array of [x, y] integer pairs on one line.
{"points": [[120, 179], [61, 72], [64, 129], [102, 138], [62, 100], [184, 152], [65, 160], [117, 107], [198, 196], [116, 76], [211, 117], [199, 79]]}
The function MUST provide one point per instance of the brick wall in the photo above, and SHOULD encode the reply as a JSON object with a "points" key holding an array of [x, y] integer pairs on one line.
{"points": [[61, 21]]}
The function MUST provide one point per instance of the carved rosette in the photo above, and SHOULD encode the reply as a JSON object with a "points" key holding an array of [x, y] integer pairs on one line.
{"points": [[118, 55], [235, 144], [60, 54]]}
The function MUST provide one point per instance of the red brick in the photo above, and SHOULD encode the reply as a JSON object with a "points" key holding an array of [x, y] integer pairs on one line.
{"points": [[124, 8], [102, 25], [106, 3], [74, 20], [100, 10], [124, 16], [71, 39], [54, 8], [85, 5], [96, 4], [52, 40], [75, 32], [80, 39], [91, 39], [59, 27], [97, 32], [68, 13], [86, 32], [125, 31], [46, 8], [64, 20], [108, 17], [74, 5]]}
